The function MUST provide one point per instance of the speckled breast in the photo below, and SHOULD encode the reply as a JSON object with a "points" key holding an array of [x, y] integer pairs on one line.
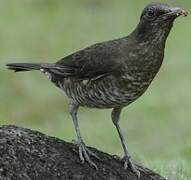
{"points": [[106, 92]]}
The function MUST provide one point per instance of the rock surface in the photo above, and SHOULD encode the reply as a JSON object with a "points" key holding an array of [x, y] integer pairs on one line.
{"points": [[29, 155]]}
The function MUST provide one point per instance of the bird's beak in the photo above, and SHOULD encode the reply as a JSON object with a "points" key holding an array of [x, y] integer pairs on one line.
{"points": [[176, 12]]}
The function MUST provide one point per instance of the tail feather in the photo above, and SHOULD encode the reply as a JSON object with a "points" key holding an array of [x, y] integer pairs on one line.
{"points": [[17, 67]]}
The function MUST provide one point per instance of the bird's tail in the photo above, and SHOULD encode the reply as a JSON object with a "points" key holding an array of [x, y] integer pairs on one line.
{"points": [[17, 67]]}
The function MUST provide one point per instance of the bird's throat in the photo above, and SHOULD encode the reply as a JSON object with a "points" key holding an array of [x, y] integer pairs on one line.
{"points": [[154, 34]]}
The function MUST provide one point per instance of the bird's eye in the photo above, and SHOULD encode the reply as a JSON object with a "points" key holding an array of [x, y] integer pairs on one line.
{"points": [[150, 13]]}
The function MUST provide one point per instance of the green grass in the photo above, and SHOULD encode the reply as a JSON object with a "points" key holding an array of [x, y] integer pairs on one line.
{"points": [[157, 127], [173, 169]]}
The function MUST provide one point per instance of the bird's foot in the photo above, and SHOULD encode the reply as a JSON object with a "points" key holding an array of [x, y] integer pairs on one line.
{"points": [[85, 153], [128, 163]]}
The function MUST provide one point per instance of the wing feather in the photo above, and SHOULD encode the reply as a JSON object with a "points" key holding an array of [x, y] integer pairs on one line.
{"points": [[95, 61]]}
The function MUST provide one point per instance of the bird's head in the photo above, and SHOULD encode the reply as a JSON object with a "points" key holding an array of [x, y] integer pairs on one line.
{"points": [[158, 17]]}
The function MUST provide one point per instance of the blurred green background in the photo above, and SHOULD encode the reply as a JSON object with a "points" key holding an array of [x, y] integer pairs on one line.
{"points": [[157, 126]]}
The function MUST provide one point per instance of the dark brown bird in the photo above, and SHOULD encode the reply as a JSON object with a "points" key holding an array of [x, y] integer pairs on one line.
{"points": [[112, 74]]}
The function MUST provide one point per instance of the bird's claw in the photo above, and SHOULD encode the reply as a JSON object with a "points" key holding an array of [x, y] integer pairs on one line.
{"points": [[128, 163], [92, 154], [85, 153]]}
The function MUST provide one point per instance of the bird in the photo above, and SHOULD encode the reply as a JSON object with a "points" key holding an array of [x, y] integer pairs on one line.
{"points": [[112, 74]]}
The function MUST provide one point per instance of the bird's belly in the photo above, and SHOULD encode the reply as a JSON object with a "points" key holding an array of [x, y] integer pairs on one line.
{"points": [[103, 93]]}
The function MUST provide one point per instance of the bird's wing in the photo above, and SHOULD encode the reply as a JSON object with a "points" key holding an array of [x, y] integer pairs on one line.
{"points": [[93, 62]]}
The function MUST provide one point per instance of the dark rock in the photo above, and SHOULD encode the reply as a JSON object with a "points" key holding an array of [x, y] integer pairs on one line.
{"points": [[29, 155]]}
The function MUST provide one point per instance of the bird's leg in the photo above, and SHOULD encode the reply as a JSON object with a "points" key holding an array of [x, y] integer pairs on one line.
{"points": [[115, 115], [84, 152]]}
